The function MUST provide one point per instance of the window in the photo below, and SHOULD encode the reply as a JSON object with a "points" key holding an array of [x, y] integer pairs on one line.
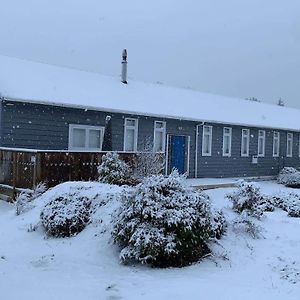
{"points": [[206, 140], [289, 145], [83, 137], [227, 133], [276, 143], [159, 136], [130, 135], [261, 143], [245, 142]]}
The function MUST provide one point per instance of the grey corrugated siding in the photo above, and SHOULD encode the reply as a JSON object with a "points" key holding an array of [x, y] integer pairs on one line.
{"points": [[26, 125]]}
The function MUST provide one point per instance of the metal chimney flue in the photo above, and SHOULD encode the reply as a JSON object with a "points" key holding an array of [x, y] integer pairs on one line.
{"points": [[124, 67]]}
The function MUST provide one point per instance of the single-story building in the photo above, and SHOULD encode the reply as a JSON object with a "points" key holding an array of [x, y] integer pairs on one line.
{"points": [[53, 108]]}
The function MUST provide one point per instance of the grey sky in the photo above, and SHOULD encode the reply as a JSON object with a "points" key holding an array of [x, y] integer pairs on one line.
{"points": [[237, 48]]}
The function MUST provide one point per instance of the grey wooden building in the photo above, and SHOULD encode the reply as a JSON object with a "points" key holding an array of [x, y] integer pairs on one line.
{"points": [[52, 108]]}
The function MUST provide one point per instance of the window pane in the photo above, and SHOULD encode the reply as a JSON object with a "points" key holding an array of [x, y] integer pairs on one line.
{"points": [[276, 144], [226, 145], [129, 140], [260, 147], [130, 122], [244, 145], [158, 142], [159, 125], [206, 143], [289, 148], [94, 138], [206, 129], [78, 138], [227, 130]]}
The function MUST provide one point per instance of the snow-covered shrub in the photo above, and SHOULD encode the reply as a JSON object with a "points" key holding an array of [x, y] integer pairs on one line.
{"points": [[290, 177], [247, 198], [219, 224], [39, 190], [289, 202], [113, 170], [267, 203], [247, 224], [163, 222], [22, 203], [66, 215], [294, 208], [24, 200], [281, 200], [285, 171]]}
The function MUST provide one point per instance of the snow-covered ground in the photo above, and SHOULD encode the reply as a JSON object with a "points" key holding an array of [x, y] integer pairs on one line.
{"points": [[87, 266]]}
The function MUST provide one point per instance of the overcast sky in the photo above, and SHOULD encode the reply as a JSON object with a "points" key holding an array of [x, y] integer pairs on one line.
{"points": [[241, 48]]}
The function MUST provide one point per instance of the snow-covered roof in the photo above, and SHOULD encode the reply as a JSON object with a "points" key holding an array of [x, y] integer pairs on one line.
{"points": [[36, 82]]}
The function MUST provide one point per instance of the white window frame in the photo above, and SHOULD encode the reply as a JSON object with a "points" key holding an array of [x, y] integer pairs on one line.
{"points": [[210, 140], [135, 128], [261, 139], [274, 139], [289, 138], [248, 142], [87, 128], [163, 130], [230, 140]]}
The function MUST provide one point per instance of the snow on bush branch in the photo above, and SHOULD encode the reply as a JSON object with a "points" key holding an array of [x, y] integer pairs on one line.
{"points": [[289, 202], [250, 204], [165, 223], [248, 198], [66, 215], [113, 170], [290, 177], [24, 200]]}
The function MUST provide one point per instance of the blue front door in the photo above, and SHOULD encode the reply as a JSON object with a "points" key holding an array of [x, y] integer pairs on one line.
{"points": [[177, 153]]}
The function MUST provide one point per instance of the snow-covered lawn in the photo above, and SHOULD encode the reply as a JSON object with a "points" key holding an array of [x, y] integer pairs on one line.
{"points": [[87, 266]]}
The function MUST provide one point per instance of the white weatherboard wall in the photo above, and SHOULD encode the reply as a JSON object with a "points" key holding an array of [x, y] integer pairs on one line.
{"points": [[36, 82]]}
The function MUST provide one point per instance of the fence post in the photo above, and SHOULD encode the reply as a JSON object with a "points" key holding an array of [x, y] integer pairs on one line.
{"points": [[33, 160], [14, 181], [38, 167]]}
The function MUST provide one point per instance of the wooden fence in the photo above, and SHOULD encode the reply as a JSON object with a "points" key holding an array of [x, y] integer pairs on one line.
{"points": [[25, 168]]}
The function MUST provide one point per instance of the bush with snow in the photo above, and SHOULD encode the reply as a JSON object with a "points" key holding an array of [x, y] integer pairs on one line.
{"points": [[294, 208], [289, 202], [290, 177], [248, 198], [281, 200], [245, 223], [163, 222], [267, 203], [219, 224], [24, 200], [22, 203], [113, 170], [39, 190], [66, 215]]}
